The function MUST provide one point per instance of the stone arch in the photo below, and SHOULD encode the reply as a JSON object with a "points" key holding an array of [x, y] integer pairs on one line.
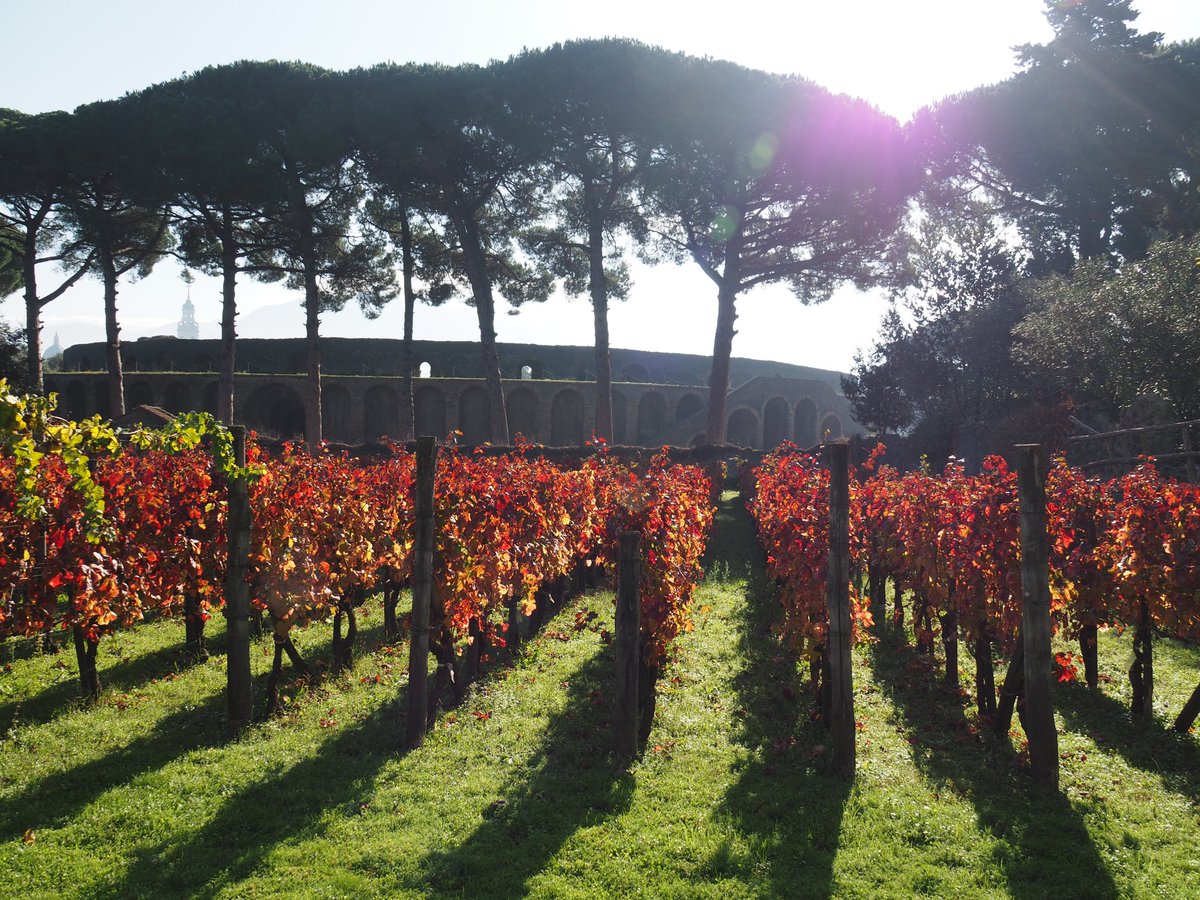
{"points": [[688, 406], [73, 401], [742, 428], [522, 406], [474, 416], [635, 372], [336, 411], [425, 370], [775, 423], [805, 430], [831, 427], [177, 397], [651, 419], [566, 419], [208, 397], [138, 393], [100, 395], [429, 412], [381, 414], [619, 407], [275, 410], [526, 373]]}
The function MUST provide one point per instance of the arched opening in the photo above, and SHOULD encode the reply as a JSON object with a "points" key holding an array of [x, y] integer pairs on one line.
{"points": [[100, 395], [742, 428], [429, 412], [775, 423], [208, 398], [652, 418], [335, 414], [73, 402], [566, 419], [688, 406], [831, 427], [474, 416], [805, 430], [526, 373], [177, 397], [619, 405], [522, 409], [381, 413], [425, 370], [138, 393], [276, 411]]}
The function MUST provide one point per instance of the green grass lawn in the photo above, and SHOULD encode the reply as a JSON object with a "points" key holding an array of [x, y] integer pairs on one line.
{"points": [[515, 793]]}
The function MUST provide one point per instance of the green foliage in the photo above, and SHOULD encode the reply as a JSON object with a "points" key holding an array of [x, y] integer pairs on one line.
{"points": [[29, 431], [944, 358], [1108, 337]]}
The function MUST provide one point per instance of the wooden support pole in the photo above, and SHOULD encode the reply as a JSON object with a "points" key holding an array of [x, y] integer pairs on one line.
{"points": [[628, 646], [1035, 614], [837, 595], [237, 592], [424, 540]]}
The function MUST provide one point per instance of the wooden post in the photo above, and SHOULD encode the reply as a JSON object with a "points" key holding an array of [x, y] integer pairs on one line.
{"points": [[628, 646], [837, 595], [1035, 613], [237, 592], [422, 591]]}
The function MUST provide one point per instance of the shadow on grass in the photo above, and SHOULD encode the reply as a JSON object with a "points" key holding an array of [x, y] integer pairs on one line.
{"points": [[1150, 745], [1049, 851], [60, 796], [791, 811], [116, 674], [64, 793], [573, 785], [281, 805]]}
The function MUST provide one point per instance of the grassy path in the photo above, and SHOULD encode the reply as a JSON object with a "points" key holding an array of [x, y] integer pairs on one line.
{"points": [[515, 793]]}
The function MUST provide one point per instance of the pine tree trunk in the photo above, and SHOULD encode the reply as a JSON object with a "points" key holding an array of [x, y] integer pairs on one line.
{"points": [[225, 400], [475, 263], [718, 379], [598, 283], [408, 269], [312, 326], [33, 312], [112, 331]]}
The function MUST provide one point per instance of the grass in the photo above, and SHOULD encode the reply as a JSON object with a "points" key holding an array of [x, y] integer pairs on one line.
{"points": [[515, 793]]}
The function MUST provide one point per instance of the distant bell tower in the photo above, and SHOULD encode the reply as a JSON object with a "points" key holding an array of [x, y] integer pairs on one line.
{"points": [[188, 327]]}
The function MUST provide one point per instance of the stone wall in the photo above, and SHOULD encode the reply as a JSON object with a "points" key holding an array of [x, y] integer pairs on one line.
{"points": [[361, 409]]}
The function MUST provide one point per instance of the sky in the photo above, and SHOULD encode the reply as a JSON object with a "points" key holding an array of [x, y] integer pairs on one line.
{"points": [[898, 55]]}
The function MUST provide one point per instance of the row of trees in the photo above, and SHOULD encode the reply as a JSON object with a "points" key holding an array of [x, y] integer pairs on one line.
{"points": [[1055, 257], [424, 182]]}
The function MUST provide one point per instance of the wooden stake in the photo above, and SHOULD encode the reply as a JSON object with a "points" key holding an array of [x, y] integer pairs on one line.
{"points": [[628, 646], [237, 592], [1035, 614], [837, 595], [424, 540]]}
